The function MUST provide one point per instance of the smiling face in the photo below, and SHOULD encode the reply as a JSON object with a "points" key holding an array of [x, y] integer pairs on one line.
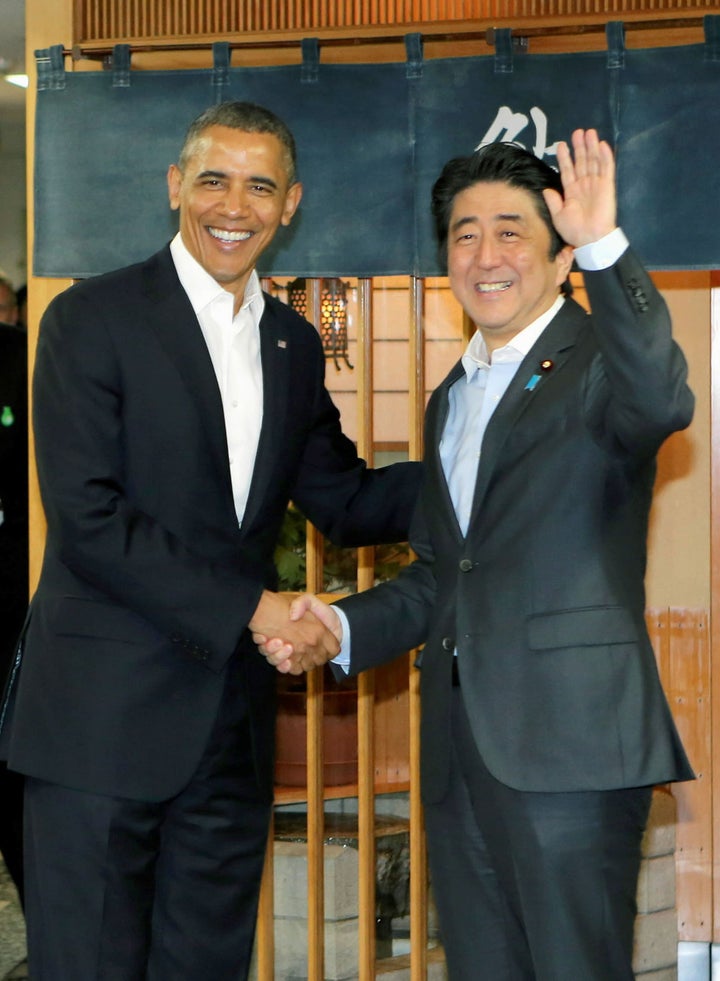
{"points": [[232, 195], [499, 260]]}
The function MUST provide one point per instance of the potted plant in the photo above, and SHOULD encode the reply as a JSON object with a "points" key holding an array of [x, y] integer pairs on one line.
{"points": [[339, 700]]}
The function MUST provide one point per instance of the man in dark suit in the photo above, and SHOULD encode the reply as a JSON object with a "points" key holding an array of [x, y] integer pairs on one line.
{"points": [[13, 548], [544, 725], [177, 409]]}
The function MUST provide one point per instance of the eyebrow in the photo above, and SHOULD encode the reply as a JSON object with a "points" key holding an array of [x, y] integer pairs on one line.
{"points": [[472, 219], [221, 175]]}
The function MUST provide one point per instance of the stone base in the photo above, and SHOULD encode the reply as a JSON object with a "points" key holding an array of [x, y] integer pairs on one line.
{"points": [[655, 948], [340, 950], [656, 928]]}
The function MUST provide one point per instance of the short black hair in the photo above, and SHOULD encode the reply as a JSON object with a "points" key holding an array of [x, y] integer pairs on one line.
{"points": [[250, 118], [506, 163]]}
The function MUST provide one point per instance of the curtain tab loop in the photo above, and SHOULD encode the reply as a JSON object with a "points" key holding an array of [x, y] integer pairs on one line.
{"points": [[120, 66], [221, 64], [414, 55], [711, 24], [50, 64], [310, 60], [503, 51], [615, 36]]}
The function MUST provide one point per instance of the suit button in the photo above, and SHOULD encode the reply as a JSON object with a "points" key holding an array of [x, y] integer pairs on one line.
{"points": [[465, 565], [447, 644]]}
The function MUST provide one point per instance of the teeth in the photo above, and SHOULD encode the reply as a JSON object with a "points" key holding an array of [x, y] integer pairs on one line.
{"points": [[224, 236], [492, 287]]}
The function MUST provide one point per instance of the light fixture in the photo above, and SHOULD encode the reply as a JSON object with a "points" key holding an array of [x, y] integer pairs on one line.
{"points": [[333, 314], [20, 80]]}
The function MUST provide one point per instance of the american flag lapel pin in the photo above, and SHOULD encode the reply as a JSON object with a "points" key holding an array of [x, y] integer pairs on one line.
{"points": [[282, 344]]}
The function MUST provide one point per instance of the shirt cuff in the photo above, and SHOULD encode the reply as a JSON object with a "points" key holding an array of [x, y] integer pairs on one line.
{"points": [[342, 660], [603, 253]]}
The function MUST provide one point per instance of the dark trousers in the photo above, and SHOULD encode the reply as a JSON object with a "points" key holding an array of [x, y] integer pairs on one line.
{"points": [[13, 608], [533, 886], [121, 890], [11, 824]]}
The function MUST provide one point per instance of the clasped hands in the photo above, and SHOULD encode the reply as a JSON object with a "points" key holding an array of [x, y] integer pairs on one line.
{"points": [[295, 634]]}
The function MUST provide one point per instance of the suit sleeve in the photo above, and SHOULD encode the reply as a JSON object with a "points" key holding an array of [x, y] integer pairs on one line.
{"points": [[394, 617], [637, 392], [351, 503]]}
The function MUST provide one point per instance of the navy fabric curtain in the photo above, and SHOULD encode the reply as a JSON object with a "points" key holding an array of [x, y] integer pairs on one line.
{"points": [[669, 137], [535, 101], [372, 138]]}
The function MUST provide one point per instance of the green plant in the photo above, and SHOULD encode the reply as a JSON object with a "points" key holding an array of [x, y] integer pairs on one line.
{"points": [[340, 564]]}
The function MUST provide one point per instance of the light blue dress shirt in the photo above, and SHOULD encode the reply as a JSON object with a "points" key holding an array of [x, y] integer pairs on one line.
{"points": [[471, 403]]}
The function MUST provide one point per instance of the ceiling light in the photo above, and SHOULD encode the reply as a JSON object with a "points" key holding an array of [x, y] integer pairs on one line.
{"points": [[21, 80]]}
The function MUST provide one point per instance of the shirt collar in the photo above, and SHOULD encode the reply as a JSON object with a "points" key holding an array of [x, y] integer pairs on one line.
{"points": [[476, 353], [202, 289]]}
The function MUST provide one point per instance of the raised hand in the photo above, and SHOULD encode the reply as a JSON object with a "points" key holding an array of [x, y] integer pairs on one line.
{"points": [[291, 645], [587, 210]]}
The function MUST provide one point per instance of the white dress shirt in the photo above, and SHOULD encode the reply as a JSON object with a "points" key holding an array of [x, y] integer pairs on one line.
{"points": [[234, 347]]}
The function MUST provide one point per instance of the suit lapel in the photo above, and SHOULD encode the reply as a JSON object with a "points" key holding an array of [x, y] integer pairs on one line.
{"points": [[437, 417], [179, 333], [555, 345], [182, 340], [275, 352]]}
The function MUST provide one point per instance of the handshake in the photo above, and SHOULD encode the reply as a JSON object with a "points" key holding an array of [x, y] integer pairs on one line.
{"points": [[295, 634]]}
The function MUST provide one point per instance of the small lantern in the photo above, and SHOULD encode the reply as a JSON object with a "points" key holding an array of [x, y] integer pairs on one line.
{"points": [[333, 314]]}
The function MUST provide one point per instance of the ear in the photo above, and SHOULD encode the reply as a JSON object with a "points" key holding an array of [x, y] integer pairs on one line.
{"points": [[292, 200], [174, 182], [563, 264]]}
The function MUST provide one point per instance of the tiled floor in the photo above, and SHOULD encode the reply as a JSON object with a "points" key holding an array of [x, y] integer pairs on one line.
{"points": [[12, 931]]}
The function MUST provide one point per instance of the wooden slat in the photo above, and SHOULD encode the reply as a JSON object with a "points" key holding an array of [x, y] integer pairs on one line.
{"points": [[416, 372], [680, 638], [391, 727], [265, 938], [315, 828], [418, 851], [315, 748], [315, 788], [715, 577], [114, 18], [43, 27], [366, 681]]}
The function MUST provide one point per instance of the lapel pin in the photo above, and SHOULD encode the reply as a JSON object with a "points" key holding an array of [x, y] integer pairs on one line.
{"points": [[282, 344], [545, 365]]}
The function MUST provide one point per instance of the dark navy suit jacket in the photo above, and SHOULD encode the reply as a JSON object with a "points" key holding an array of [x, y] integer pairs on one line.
{"points": [[13, 489]]}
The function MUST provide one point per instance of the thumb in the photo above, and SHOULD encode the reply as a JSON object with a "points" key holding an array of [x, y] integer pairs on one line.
{"points": [[553, 200], [302, 605], [307, 603]]}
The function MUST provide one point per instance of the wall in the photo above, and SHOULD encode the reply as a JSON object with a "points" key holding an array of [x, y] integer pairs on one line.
{"points": [[679, 545], [13, 249]]}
